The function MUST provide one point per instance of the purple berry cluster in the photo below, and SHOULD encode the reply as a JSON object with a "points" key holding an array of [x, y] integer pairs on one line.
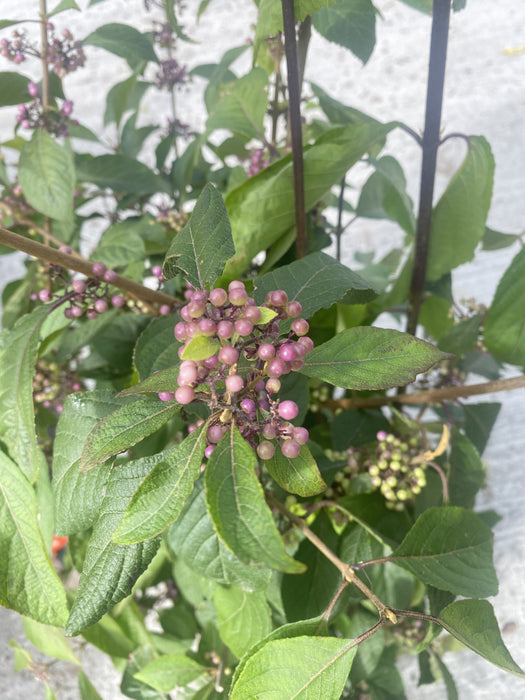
{"points": [[90, 297], [64, 55], [172, 219], [34, 116], [242, 360], [393, 465], [17, 48], [163, 35], [257, 162], [52, 383], [13, 204]]}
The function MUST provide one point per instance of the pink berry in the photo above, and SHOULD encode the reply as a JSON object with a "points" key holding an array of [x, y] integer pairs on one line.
{"points": [[238, 296], [218, 297], [293, 309], [110, 276], [273, 385], [200, 296], [225, 329], [275, 368], [156, 270], [290, 448], [208, 451], [243, 327], [266, 351], [381, 435], [180, 331], [68, 313], [287, 352], [187, 373], [91, 314], [228, 355], [269, 431], [65, 249], [76, 311], [184, 394], [288, 410], [207, 326], [67, 107], [307, 343], [98, 269], [265, 449], [234, 383], [248, 405], [117, 301], [196, 309], [300, 435], [252, 313], [44, 295], [164, 310], [101, 305], [185, 313], [215, 434], [79, 286], [278, 298], [235, 284], [166, 395], [32, 89], [300, 326]]}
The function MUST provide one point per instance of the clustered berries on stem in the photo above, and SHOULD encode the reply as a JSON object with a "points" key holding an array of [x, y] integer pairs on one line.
{"points": [[257, 162], [63, 55], [232, 360], [34, 116], [90, 297], [52, 383], [394, 467]]}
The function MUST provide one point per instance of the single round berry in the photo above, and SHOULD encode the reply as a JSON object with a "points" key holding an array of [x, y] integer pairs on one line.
{"points": [[44, 295], [269, 431], [211, 362], [228, 355], [307, 343], [101, 305], [91, 314], [208, 451], [238, 296], [288, 410], [187, 373], [76, 311], [234, 383], [290, 448], [156, 270], [243, 327], [293, 309], [166, 396], [215, 434], [266, 351], [275, 367], [278, 298], [273, 385], [196, 309], [248, 405], [180, 331], [207, 326], [110, 276], [225, 329], [252, 313], [184, 394], [265, 449], [300, 326], [218, 297], [117, 301], [32, 89], [98, 269], [236, 284], [68, 313], [79, 286], [287, 352], [300, 435], [164, 310]]}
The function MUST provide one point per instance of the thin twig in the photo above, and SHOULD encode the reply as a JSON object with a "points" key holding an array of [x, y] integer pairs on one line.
{"points": [[431, 395], [294, 95], [73, 262], [339, 229]]}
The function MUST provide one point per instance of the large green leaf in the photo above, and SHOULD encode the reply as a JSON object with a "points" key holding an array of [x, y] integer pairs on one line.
{"points": [[163, 380], [467, 474], [310, 668], [14, 88], [349, 23], [124, 96], [243, 618], [193, 539], [300, 475], [110, 570], [47, 176], [49, 640], [370, 358], [262, 209], [160, 498], [458, 220], [450, 548], [237, 507], [170, 671], [156, 347], [119, 246], [316, 281], [243, 106], [473, 622], [78, 495], [120, 173], [28, 581], [18, 354], [270, 19], [505, 323], [124, 41], [123, 428], [202, 248]]}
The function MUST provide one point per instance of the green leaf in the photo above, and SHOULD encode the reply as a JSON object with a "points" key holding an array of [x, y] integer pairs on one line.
{"points": [[462, 337], [349, 24], [163, 380], [237, 507], [313, 668], [473, 622], [47, 176], [316, 281], [384, 195], [202, 248], [300, 475], [495, 240], [479, 421], [270, 19], [49, 640], [18, 354], [243, 618], [14, 87], [110, 570], [120, 173], [122, 97], [160, 498], [124, 41], [23, 658], [450, 548], [123, 428], [63, 6], [367, 358], [200, 348], [243, 106], [458, 220], [78, 495], [467, 474], [310, 594], [262, 209], [357, 427], [86, 688], [167, 672], [119, 246], [155, 343], [194, 540], [29, 583], [504, 333]]}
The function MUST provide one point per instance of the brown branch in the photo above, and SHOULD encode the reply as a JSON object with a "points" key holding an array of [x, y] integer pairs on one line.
{"points": [[432, 395], [73, 262]]}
